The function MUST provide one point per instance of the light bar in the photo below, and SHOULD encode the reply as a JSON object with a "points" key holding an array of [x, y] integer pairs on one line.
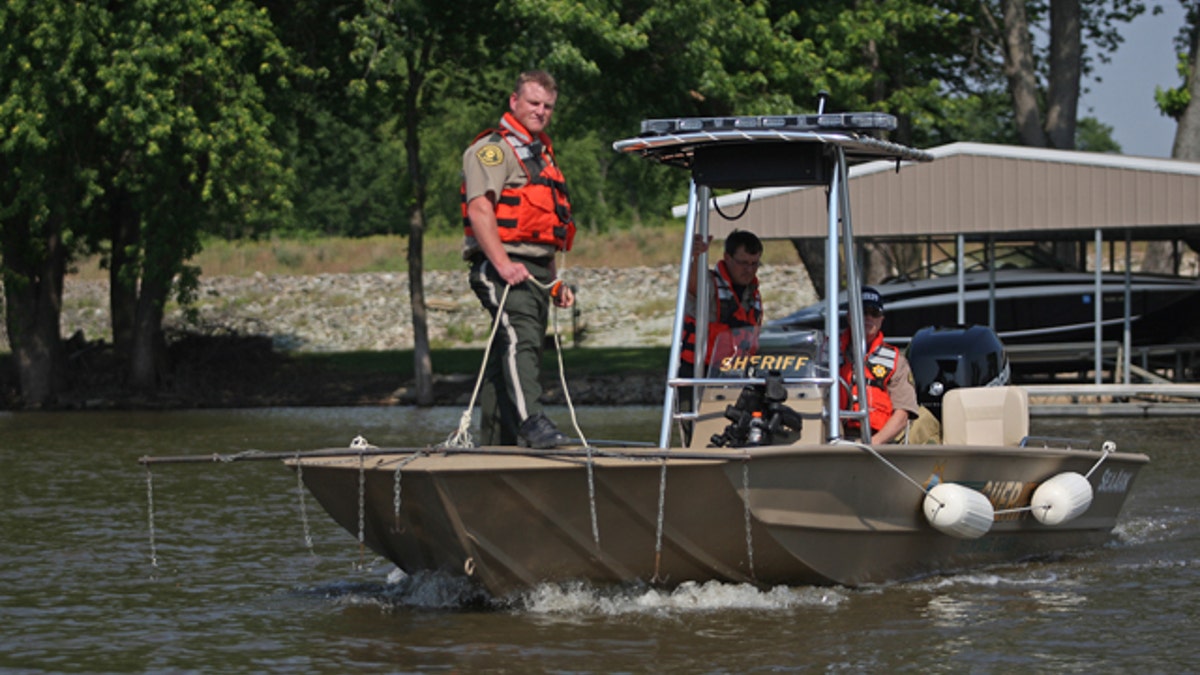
{"points": [[860, 121]]}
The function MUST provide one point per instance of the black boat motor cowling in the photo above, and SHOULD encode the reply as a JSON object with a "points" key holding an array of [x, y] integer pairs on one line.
{"points": [[943, 358]]}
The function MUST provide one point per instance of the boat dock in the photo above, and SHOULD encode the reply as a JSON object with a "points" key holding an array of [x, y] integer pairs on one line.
{"points": [[1059, 379], [1158, 399]]}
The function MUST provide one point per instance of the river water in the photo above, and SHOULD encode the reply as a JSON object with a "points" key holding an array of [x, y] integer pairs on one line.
{"points": [[229, 582]]}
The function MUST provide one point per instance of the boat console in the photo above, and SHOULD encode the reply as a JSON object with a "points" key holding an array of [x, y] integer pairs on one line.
{"points": [[763, 388]]}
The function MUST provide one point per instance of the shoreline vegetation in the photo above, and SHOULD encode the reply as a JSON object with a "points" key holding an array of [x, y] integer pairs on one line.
{"points": [[635, 247], [235, 359]]}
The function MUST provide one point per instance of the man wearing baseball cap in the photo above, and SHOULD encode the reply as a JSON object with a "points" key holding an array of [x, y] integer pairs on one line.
{"points": [[891, 397]]}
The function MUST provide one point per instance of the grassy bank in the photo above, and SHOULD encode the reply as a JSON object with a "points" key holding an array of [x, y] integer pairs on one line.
{"points": [[245, 371], [637, 247], [399, 363]]}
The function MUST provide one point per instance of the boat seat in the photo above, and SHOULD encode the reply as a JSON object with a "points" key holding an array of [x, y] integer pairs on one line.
{"points": [[985, 416]]}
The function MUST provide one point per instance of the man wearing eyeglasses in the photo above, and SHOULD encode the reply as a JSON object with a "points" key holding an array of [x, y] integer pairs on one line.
{"points": [[890, 391], [735, 303]]}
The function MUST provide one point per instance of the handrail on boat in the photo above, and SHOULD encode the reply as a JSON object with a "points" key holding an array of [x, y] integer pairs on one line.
{"points": [[743, 381]]}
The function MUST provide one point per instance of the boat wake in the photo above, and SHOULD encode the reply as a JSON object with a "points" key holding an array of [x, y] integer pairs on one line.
{"points": [[1139, 531], [442, 592], [422, 591], [582, 598]]}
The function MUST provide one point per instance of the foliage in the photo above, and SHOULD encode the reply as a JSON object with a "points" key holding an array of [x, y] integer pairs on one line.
{"points": [[1174, 101], [185, 121], [1092, 135], [136, 131], [133, 128]]}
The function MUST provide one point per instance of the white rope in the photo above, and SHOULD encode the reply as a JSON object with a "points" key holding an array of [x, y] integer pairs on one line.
{"points": [[875, 453], [150, 515], [1106, 448], [562, 378], [461, 437], [308, 540], [562, 373]]}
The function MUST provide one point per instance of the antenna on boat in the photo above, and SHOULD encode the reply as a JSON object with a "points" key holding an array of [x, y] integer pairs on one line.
{"points": [[822, 99]]}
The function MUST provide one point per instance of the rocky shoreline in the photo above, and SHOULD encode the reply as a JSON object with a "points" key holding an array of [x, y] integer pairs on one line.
{"points": [[237, 351]]}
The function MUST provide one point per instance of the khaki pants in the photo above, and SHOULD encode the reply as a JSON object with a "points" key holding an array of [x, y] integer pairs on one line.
{"points": [[925, 430]]}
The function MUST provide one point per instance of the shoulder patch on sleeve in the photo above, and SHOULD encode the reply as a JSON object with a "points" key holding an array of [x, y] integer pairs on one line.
{"points": [[490, 155]]}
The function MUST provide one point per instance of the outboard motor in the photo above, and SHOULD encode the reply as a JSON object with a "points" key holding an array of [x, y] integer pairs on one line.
{"points": [[957, 356]]}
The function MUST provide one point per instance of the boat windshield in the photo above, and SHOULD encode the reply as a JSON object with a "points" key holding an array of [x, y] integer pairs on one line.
{"points": [[747, 352], [944, 263]]}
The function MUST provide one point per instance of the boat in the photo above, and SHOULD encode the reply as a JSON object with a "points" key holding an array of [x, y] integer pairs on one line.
{"points": [[1029, 298], [768, 490]]}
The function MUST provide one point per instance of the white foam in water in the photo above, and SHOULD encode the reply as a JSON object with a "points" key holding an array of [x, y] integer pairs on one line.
{"points": [[688, 597], [426, 590], [1142, 530], [1012, 577]]}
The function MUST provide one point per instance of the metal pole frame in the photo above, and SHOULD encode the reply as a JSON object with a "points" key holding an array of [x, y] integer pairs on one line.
{"points": [[697, 223]]}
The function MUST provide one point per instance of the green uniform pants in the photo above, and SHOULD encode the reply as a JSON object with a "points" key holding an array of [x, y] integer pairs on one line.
{"points": [[511, 388]]}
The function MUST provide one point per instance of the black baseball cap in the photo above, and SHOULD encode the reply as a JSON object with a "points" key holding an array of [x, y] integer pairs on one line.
{"points": [[871, 298]]}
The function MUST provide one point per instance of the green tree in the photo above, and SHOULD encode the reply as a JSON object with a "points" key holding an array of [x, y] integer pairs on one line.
{"points": [[346, 161], [410, 53], [1044, 81], [46, 103], [133, 129], [1183, 102], [1093, 135], [188, 147], [656, 58]]}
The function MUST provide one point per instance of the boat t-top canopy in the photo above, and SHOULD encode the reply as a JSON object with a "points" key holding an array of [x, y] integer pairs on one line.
{"points": [[771, 151], [750, 151]]}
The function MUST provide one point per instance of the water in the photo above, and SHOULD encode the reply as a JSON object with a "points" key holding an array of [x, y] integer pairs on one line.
{"points": [[236, 588]]}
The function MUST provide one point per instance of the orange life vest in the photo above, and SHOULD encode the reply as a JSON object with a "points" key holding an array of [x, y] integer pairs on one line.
{"points": [[538, 212], [879, 364], [732, 313]]}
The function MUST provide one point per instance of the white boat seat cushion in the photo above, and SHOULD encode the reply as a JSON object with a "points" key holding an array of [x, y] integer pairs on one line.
{"points": [[985, 416]]}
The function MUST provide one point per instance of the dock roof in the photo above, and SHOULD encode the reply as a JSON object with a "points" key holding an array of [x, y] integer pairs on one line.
{"points": [[981, 190]]}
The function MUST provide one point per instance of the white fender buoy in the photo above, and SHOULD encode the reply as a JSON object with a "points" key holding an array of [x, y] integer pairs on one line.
{"points": [[959, 511], [1062, 498]]}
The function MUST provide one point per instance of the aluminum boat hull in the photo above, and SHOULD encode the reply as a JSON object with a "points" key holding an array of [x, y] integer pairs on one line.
{"points": [[830, 514]]}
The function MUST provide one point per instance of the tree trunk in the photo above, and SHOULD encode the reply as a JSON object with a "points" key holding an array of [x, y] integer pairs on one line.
{"points": [[147, 358], [1186, 146], [422, 361], [1066, 53], [812, 255], [122, 277], [876, 261], [1021, 75], [1160, 257], [33, 311], [1187, 134]]}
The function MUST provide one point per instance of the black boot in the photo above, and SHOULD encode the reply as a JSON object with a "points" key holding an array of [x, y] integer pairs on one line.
{"points": [[540, 433]]}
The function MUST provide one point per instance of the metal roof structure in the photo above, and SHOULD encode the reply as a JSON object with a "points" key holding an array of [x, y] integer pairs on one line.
{"points": [[986, 191]]}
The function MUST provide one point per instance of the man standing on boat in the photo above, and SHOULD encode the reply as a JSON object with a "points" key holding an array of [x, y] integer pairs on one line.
{"points": [[517, 214], [890, 391]]}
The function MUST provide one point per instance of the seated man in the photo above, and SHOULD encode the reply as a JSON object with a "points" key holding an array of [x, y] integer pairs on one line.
{"points": [[734, 304], [890, 391], [735, 301]]}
